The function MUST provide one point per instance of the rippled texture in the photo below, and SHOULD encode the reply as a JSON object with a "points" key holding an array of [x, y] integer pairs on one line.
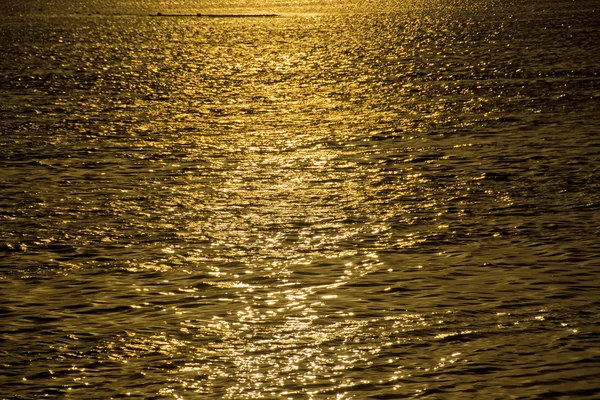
{"points": [[353, 200]]}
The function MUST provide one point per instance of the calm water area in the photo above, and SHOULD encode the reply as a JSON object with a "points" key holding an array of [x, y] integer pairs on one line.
{"points": [[352, 200]]}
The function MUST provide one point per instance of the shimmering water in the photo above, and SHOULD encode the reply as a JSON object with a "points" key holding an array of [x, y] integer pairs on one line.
{"points": [[353, 200]]}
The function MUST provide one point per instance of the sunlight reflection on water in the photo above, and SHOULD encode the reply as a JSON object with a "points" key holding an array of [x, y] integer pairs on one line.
{"points": [[379, 201]]}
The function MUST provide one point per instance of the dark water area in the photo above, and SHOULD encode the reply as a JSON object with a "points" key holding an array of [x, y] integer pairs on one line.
{"points": [[353, 200]]}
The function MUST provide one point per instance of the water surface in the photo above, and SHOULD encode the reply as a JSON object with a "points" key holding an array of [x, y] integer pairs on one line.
{"points": [[352, 200]]}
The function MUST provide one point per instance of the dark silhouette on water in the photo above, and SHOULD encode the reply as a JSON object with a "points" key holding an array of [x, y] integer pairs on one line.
{"points": [[215, 15]]}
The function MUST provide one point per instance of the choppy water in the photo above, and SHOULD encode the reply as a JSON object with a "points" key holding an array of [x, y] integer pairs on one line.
{"points": [[354, 200]]}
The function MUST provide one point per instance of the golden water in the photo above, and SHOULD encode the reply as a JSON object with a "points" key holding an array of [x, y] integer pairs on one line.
{"points": [[352, 200]]}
